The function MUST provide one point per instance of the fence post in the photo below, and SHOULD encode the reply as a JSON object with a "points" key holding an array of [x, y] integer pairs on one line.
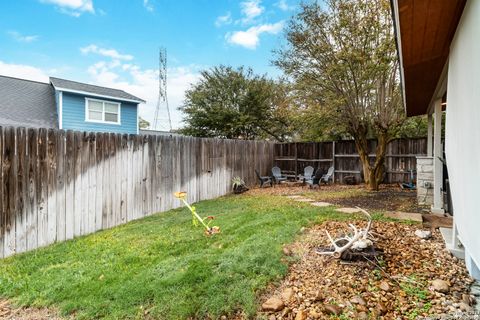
{"points": [[333, 161], [296, 159]]}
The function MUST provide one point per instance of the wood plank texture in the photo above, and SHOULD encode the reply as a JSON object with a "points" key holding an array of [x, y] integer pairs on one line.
{"points": [[56, 185], [400, 157]]}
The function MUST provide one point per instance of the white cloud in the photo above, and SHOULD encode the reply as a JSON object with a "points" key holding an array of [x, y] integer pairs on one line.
{"points": [[102, 73], [251, 9], [251, 37], [72, 7], [23, 72], [284, 6], [143, 83], [22, 38], [148, 5], [110, 53], [224, 20]]}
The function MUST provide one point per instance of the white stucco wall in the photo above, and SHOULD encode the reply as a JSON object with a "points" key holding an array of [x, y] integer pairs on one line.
{"points": [[462, 141]]}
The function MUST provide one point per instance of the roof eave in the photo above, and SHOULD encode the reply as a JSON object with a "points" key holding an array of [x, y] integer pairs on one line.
{"points": [[398, 41], [97, 95], [423, 52]]}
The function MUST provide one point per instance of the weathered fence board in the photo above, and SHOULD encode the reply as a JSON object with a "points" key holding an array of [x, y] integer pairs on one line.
{"points": [[60, 188], [20, 217], [32, 177], [342, 155], [10, 188], [42, 188], [69, 183], [56, 185]]}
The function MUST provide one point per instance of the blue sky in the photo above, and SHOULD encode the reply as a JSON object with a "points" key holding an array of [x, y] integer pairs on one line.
{"points": [[115, 43]]}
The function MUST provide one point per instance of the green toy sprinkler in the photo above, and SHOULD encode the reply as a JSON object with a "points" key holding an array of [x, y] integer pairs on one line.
{"points": [[196, 218]]}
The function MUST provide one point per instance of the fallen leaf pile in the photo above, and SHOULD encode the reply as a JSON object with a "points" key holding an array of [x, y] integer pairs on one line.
{"points": [[414, 278]]}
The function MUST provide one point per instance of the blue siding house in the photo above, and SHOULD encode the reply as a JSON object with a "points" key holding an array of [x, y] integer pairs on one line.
{"points": [[67, 105], [74, 114], [87, 107]]}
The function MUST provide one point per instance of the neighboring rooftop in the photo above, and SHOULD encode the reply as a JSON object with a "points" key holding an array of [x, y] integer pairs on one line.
{"points": [[26, 103], [73, 86]]}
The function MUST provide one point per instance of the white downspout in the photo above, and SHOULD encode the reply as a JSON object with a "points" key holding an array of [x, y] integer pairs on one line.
{"points": [[429, 136], [437, 160], [60, 110]]}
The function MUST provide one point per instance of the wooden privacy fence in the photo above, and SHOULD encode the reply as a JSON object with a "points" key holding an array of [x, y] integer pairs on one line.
{"points": [[56, 185], [342, 155]]}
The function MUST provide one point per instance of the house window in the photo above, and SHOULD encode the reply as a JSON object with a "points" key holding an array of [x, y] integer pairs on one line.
{"points": [[102, 111]]}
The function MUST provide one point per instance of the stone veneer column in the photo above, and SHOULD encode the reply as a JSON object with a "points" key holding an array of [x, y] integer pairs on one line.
{"points": [[425, 180]]}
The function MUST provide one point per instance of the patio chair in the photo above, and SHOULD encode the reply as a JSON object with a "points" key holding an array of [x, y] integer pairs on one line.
{"points": [[277, 175], [307, 174], [315, 181], [327, 176], [264, 180]]}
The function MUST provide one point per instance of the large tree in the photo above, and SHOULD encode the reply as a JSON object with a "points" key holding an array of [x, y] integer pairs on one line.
{"points": [[236, 104], [342, 59], [143, 124]]}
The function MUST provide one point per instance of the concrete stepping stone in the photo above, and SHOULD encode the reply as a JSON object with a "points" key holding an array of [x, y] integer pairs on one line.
{"points": [[294, 197], [321, 204], [348, 210], [304, 200]]}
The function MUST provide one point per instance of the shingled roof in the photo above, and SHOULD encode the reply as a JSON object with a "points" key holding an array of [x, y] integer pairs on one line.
{"points": [[26, 103], [73, 86]]}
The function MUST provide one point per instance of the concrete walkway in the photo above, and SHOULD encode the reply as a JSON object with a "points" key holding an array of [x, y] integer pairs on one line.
{"points": [[320, 204]]}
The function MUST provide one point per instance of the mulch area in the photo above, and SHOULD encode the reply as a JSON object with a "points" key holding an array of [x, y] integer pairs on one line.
{"points": [[388, 198], [9, 312], [397, 286]]}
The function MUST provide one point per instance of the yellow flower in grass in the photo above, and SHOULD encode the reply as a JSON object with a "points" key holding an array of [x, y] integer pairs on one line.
{"points": [[180, 195]]}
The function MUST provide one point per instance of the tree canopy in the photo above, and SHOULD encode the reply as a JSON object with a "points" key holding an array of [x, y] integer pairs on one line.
{"points": [[236, 104], [342, 60], [143, 124]]}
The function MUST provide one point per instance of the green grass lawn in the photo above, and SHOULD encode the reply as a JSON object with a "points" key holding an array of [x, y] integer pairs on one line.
{"points": [[163, 266]]}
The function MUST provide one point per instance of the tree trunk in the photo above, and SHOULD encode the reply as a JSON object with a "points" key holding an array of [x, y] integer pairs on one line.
{"points": [[373, 174]]}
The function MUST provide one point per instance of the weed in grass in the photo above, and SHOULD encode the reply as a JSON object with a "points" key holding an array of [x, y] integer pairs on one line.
{"points": [[377, 273], [415, 313], [343, 317], [381, 263], [414, 288]]}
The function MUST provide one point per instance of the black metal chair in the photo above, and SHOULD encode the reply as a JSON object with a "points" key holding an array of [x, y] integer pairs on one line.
{"points": [[315, 180], [264, 180]]}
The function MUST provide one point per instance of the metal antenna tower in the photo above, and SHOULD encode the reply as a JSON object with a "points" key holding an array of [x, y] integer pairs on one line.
{"points": [[159, 122]]}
